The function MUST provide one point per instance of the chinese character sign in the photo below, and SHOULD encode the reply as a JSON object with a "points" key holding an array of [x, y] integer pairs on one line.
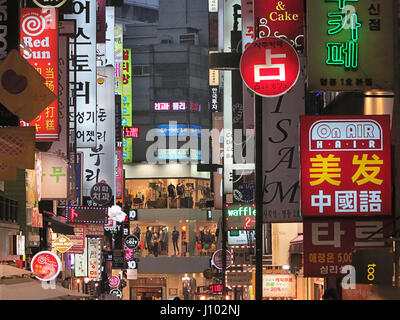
{"points": [[329, 243], [350, 45], [345, 166], [270, 67], [39, 35]]}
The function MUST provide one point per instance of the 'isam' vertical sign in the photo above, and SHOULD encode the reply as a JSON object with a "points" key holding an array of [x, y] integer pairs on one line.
{"points": [[350, 45]]}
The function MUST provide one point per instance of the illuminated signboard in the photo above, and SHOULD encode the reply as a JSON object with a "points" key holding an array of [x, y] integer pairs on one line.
{"points": [[330, 243], [280, 18], [240, 217], [279, 285], [345, 166], [179, 154], [39, 34], [160, 106], [176, 106], [83, 70], [270, 67], [215, 288], [179, 130], [86, 215], [131, 132], [350, 44], [126, 103]]}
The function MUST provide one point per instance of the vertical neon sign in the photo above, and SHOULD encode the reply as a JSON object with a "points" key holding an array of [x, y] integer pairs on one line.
{"points": [[339, 53]]}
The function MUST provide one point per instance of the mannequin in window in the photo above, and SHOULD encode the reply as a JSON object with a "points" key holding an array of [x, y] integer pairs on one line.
{"points": [[171, 191], [180, 188], [175, 238]]}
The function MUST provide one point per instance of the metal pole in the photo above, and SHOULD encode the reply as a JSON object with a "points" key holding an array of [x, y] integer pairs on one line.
{"points": [[259, 197]]}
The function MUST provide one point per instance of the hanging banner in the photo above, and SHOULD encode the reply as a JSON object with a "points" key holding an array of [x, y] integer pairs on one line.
{"points": [[280, 18], [350, 45], [281, 200], [119, 174], [54, 177], [94, 254], [81, 262], [78, 238], [329, 242], [39, 34], [127, 102], [99, 161], [345, 166], [84, 66], [110, 45], [118, 57]]}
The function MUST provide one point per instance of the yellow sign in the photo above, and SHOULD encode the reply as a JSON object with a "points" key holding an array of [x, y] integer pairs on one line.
{"points": [[62, 244]]}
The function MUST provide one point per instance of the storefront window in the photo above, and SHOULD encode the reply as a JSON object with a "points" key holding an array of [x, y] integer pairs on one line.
{"points": [[168, 193], [175, 239]]}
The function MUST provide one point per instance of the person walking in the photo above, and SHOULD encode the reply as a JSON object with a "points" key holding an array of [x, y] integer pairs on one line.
{"points": [[175, 238]]}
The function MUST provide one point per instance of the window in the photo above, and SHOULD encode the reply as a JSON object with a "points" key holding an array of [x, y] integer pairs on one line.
{"points": [[140, 70]]}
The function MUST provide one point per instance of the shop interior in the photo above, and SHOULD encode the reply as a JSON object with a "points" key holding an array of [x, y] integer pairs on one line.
{"points": [[168, 193], [156, 238]]}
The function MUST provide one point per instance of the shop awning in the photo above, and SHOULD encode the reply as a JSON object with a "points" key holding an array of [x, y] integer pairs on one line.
{"points": [[31, 289], [58, 226], [296, 244]]}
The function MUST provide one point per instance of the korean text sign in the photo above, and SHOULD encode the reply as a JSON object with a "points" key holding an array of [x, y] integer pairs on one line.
{"points": [[345, 166], [40, 36], [350, 45], [329, 243]]}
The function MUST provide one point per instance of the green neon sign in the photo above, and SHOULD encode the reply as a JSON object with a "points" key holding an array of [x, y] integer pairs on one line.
{"points": [[343, 53], [244, 211]]}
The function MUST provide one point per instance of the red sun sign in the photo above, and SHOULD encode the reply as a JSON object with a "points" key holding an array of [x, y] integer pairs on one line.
{"points": [[270, 66]]}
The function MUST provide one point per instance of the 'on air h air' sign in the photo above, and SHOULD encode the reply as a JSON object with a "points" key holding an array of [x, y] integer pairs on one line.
{"points": [[345, 166], [350, 45]]}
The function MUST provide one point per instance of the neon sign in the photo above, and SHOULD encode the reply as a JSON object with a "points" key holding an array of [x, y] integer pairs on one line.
{"points": [[241, 217], [340, 53]]}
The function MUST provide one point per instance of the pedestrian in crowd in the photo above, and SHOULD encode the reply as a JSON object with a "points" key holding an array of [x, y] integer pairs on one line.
{"points": [[149, 239], [175, 238]]}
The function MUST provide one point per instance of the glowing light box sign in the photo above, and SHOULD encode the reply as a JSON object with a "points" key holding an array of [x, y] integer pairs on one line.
{"points": [[240, 217], [350, 45], [345, 166], [40, 35], [131, 132], [83, 45], [86, 215], [280, 18]]}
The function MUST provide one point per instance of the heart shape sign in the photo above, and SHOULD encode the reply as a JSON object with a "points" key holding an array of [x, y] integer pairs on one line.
{"points": [[13, 83]]}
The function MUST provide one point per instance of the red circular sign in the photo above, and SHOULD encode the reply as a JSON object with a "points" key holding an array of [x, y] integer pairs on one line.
{"points": [[216, 259], [47, 264], [113, 281], [270, 66]]}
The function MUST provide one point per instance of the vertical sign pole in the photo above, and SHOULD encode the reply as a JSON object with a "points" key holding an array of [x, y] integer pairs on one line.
{"points": [[259, 197]]}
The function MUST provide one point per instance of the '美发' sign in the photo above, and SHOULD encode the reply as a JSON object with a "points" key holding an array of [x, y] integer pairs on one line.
{"points": [[345, 166], [350, 45]]}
